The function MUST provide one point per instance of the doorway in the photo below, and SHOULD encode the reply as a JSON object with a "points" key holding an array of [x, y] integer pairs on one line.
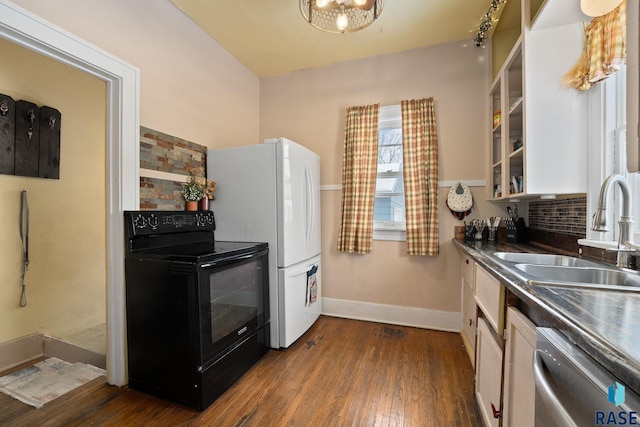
{"points": [[122, 156]]}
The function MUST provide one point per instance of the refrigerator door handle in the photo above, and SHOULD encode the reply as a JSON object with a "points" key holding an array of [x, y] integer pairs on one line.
{"points": [[309, 201]]}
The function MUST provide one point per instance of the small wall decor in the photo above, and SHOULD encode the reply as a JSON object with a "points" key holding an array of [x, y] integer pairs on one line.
{"points": [[7, 134], [29, 139]]}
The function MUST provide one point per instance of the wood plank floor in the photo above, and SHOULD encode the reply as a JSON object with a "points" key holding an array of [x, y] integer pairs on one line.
{"points": [[340, 373]]}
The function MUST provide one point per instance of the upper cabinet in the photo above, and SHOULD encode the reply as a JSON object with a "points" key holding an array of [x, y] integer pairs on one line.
{"points": [[539, 125]]}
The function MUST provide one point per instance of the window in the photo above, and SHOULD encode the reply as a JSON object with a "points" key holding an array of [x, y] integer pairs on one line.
{"points": [[607, 155], [389, 221]]}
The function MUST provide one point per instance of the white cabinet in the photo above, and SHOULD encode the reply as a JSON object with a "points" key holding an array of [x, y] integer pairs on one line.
{"points": [[468, 307], [490, 298], [505, 392], [488, 375], [537, 149], [519, 386]]}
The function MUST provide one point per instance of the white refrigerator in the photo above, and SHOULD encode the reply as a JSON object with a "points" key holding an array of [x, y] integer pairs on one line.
{"points": [[270, 193]]}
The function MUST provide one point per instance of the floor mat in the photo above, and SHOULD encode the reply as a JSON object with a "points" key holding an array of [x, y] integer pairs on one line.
{"points": [[47, 380]]}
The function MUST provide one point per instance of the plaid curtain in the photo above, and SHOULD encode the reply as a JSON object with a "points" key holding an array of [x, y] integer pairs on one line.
{"points": [[420, 156], [359, 169], [604, 49], [607, 43]]}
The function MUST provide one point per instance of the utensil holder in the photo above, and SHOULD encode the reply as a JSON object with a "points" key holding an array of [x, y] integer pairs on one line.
{"points": [[516, 231], [493, 234]]}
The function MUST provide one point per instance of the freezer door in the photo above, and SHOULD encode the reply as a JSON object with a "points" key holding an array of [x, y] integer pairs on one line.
{"points": [[298, 175], [300, 299]]}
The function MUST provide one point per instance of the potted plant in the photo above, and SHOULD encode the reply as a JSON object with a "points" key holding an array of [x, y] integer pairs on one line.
{"points": [[192, 192], [209, 189]]}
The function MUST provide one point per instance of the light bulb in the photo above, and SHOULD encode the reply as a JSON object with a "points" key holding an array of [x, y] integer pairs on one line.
{"points": [[360, 2], [342, 22], [322, 3]]}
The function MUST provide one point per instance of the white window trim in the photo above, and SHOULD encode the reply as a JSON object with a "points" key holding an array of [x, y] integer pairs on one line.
{"points": [[607, 155]]}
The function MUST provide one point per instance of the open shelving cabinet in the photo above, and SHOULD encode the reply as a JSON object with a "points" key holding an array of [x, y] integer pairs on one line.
{"points": [[537, 147], [508, 143]]}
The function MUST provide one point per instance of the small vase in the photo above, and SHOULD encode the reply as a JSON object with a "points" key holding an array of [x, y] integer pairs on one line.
{"points": [[191, 206], [204, 204]]}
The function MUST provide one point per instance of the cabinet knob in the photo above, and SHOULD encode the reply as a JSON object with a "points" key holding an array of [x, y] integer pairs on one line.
{"points": [[496, 413], [470, 322], [466, 261]]}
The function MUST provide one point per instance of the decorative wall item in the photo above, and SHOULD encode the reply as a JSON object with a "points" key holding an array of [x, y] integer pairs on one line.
{"points": [[29, 139], [7, 134], [165, 153], [486, 22], [49, 163]]}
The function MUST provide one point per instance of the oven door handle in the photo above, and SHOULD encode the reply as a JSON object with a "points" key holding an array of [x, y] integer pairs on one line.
{"points": [[548, 396], [233, 258]]}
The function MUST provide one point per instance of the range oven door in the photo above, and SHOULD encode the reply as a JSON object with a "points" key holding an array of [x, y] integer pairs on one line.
{"points": [[233, 302]]}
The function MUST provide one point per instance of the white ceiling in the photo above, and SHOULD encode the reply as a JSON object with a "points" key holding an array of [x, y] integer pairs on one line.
{"points": [[271, 37]]}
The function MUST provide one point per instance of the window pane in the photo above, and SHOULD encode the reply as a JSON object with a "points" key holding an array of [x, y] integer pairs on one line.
{"points": [[389, 150], [389, 208], [389, 185], [389, 211]]}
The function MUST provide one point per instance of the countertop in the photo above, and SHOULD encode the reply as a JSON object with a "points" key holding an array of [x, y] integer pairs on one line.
{"points": [[603, 323]]}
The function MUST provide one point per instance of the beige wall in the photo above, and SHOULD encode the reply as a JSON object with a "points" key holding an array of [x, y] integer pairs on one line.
{"points": [[309, 107], [190, 87], [67, 273]]}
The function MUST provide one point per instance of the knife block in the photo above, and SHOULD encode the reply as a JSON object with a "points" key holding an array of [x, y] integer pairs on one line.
{"points": [[516, 231]]}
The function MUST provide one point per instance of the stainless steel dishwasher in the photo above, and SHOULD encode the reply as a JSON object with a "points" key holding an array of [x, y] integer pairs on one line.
{"points": [[572, 389]]}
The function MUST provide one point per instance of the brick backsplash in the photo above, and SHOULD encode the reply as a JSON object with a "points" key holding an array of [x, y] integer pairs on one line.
{"points": [[566, 216], [166, 153], [160, 194]]}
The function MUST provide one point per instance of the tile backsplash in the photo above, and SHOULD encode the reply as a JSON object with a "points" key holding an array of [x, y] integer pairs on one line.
{"points": [[566, 216], [167, 153]]}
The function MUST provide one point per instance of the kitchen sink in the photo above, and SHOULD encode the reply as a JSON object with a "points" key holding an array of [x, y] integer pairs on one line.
{"points": [[603, 278], [543, 259]]}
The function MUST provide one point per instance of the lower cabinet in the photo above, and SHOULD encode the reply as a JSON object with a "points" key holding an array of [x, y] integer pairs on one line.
{"points": [[505, 391], [488, 374], [519, 387], [469, 312]]}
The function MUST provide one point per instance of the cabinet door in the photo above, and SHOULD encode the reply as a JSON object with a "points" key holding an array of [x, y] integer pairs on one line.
{"points": [[490, 298], [466, 268], [469, 320], [488, 375], [519, 386]]}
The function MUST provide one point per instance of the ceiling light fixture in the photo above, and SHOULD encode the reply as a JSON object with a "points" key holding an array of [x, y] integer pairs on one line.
{"points": [[341, 16]]}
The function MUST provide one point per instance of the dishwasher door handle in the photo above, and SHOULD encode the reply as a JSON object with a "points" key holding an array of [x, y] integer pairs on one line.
{"points": [[548, 395]]}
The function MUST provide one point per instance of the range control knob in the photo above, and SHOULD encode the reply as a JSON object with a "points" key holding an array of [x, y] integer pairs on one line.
{"points": [[140, 221], [153, 221]]}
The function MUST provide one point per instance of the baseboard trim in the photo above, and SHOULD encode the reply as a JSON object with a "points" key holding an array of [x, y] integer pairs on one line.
{"points": [[21, 350], [393, 314], [54, 347], [31, 347]]}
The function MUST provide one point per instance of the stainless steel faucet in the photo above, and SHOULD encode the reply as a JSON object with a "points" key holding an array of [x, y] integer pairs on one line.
{"points": [[626, 245]]}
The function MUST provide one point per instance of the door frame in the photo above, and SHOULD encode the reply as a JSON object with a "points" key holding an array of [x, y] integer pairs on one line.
{"points": [[122, 149]]}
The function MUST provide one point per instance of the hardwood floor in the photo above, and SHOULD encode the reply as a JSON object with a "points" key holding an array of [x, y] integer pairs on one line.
{"points": [[340, 373]]}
